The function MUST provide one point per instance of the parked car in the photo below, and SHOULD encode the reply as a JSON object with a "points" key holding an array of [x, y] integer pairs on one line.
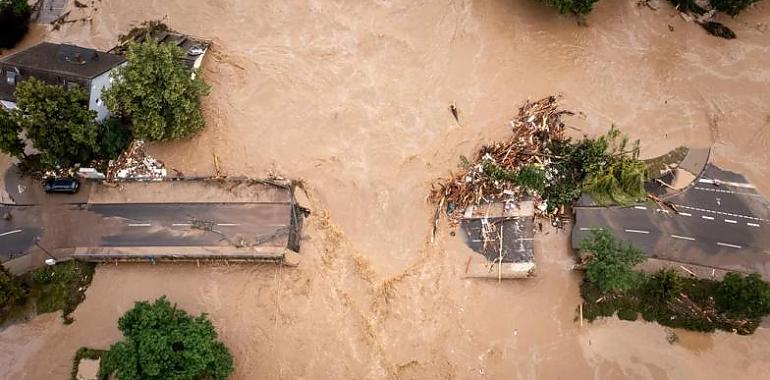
{"points": [[62, 185]]}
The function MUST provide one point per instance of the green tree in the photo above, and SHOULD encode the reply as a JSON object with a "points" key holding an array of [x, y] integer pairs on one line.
{"points": [[609, 263], [58, 122], [10, 142], [731, 7], [620, 178], [10, 291], [14, 22], [165, 343], [743, 296], [664, 285], [580, 7], [155, 92], [531, 177]]}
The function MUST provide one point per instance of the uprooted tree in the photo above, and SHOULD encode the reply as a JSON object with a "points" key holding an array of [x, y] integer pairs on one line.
{"points": [[156, 93], [164, 342], [14, 21]]}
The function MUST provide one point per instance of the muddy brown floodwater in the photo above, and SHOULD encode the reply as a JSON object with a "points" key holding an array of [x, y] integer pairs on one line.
{"points": [[352, 97]]}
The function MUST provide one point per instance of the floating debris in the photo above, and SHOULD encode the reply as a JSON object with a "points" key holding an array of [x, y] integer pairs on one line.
{"points": [[134, 163]]}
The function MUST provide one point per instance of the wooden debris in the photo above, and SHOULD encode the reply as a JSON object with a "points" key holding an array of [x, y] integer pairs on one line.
{"points": [[535, 126]]}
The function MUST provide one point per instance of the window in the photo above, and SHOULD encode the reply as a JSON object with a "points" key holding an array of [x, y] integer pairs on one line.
{"points": [[10, 78]]}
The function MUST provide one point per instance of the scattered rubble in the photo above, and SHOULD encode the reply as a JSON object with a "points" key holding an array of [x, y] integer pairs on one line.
{"points": [[135, 163], [482, 181]]}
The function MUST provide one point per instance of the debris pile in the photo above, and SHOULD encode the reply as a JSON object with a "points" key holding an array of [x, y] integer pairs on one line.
{"points": [[135, 163], [488, 178]]}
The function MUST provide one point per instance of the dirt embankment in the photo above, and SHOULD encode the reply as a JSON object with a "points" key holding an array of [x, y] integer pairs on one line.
{"points": [[353, 98]]}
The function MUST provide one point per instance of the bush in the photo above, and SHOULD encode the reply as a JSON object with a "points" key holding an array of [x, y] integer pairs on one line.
{"points": [[580, 7], [609, 263], [60, 287], [10, 291], [113, 138], [627, 314], [743, 296], [664, 285], [87, 353], [10, 129], [731, 7], [531, 177], [156, 94], [164, 342], [14, 22]]}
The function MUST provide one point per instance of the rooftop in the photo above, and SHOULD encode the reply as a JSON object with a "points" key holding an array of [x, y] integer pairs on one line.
{"points": [[64, 59]]}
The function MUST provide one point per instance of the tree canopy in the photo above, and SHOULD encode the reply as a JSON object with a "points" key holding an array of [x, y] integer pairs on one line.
{"points": [[10, 291], [610, 263], [156, 93], [580, 7], [10, 142], [743, 296], [58, 122], [14, 22], [163, 342]]}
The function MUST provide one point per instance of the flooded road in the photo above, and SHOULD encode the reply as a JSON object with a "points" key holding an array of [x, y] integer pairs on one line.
{"points": [[352, 97]]}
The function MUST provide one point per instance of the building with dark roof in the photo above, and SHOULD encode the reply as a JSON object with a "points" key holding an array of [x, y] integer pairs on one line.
{"points": [[61, 64]]}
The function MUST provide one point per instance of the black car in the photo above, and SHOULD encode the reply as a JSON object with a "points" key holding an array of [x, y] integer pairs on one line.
{"points": [[62, 185]]}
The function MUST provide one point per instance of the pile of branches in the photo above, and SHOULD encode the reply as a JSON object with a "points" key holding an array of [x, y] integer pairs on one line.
{"points": [[135, 163], [491, 177]]}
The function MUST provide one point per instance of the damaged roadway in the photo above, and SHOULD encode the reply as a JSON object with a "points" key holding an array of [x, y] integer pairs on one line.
{"points": [[259, 225]]}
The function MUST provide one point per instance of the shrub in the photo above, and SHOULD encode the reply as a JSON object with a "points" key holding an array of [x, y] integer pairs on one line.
{"points": [[531, 177], [156, 93], [164, 342], [10, 291], [731, 7], [580, 7], [14, 22], [609, 262], [664, 285], [743, 296], [10, 129]]}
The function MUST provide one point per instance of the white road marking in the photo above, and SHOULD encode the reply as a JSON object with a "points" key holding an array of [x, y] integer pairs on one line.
{"points": [[227, 224], [719, 212], [590, 229], [181, 224], [638, 231], [10, 232], [729, 245], [707, 217], [731, 221], [140, 224], [752, 224], [683, 237], [727, 191], [685, 214], [640, 207], [720, 182]]}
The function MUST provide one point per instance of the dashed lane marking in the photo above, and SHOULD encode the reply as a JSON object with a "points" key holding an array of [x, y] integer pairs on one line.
{"points": [[182, 224], [590, 229], [720, 212], [752, 224], [10, 232], [719, 182], [640, 207], [685, 214], [727, 191], [140, 224], [638, 231], [707, 217], [728, 245], [227, 224], [731, 221], [683, 237]]}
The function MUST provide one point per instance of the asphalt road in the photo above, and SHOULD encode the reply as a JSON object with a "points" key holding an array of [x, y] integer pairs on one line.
{"points": [[723, 222], [146, 225]]}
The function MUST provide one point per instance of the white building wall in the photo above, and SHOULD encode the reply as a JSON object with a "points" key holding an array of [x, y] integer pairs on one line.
{"points": [[96, 103]]}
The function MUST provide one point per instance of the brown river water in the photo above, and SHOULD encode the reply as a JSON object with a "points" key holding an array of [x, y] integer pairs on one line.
{"points": [[352, 97]]}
